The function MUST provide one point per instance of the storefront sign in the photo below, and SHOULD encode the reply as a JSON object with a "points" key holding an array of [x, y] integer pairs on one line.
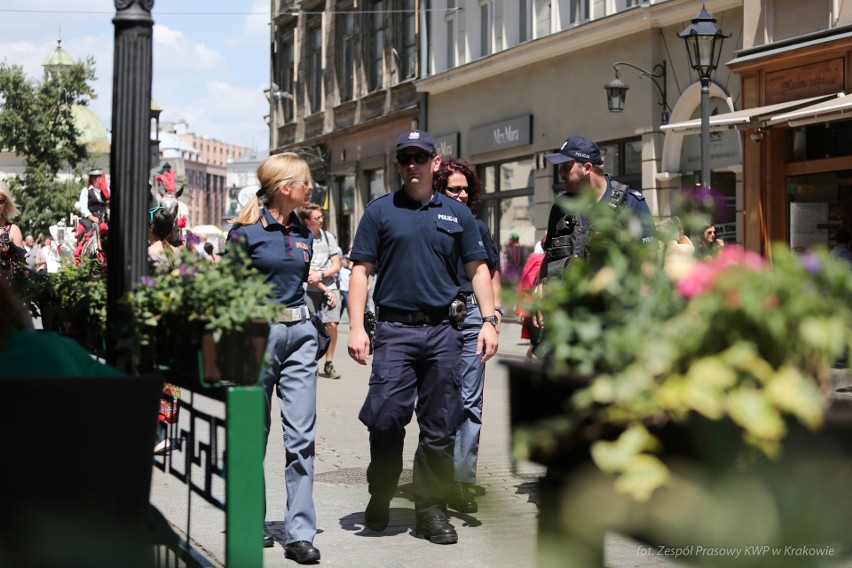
{"points": [[501, 135], [447, 145], [823, 78], [724, 144]]}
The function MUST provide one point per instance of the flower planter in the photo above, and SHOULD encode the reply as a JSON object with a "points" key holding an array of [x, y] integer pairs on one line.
{"points": [[196, 357], [723, 494]]}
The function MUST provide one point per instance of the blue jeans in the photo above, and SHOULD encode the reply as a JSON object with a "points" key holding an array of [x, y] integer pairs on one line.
{"points": [[414, 363], [292, 373], [472, 372]]}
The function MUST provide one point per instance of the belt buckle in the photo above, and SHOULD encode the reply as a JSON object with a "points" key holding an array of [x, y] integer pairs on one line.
{"points": [[289, 315]]}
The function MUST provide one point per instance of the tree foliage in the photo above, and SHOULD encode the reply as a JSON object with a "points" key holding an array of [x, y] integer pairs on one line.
{"points": [[37, 123]]}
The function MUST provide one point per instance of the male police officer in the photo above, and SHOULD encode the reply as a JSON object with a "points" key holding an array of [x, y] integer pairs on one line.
{"points": [[581, 168], [415, 237]]}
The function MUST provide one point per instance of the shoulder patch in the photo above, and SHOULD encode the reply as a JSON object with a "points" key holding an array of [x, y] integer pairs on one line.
{"points": [[636, 194], [301, 245]]}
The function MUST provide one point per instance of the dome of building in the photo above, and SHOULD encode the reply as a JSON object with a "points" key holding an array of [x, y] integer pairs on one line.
{"points": [[92, 131], [58, 58]]}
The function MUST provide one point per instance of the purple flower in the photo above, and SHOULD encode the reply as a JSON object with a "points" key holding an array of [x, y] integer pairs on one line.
{"points": [[148, 281], [810, 262]]}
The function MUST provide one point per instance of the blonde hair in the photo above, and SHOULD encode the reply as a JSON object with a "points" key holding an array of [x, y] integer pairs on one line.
{"points": [[9, 210], [287, 168]]}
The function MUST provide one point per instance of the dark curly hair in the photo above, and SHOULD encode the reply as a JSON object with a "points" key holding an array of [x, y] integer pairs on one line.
{"points": [[162, 223], [452, 166]]}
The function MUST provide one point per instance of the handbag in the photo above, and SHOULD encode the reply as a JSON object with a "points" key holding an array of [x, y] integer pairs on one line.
{"points": [[323, 338]]}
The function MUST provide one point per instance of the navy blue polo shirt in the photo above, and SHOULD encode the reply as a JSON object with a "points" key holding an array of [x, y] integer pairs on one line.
{"points": [[492, 260], [282, 253], [417, 249]]}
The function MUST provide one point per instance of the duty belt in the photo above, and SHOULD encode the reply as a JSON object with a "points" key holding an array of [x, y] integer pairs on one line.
{"points": [[429, 317], [291, 315]]}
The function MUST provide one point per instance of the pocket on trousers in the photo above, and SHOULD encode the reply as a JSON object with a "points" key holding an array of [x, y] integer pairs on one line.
{"points": [[375, 409]]}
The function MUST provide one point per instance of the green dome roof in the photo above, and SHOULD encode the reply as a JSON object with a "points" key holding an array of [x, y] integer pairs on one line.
{"points": [[93, 133], [58, 57]]}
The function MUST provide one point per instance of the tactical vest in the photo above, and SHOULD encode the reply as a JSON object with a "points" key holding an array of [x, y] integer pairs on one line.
{"points": [[572, 231]]}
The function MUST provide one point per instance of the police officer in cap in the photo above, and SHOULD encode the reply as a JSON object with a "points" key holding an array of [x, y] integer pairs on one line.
{"points": [[581, 168], [415, 236]]}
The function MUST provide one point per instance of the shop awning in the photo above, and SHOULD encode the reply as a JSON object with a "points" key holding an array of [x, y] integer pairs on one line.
{"points": [[746, 118], [826, 111]]}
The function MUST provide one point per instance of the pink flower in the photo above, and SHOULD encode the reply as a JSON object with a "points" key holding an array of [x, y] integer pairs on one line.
{"points": [[704, 274]]}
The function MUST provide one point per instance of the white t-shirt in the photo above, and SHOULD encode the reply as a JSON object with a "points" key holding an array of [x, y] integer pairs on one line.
{"points": [[50, 254], [325, 246], [343, 278]]}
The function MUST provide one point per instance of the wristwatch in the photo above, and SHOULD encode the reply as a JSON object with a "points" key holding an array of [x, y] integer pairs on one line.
{"points": [[491, 319], [499, 310]]}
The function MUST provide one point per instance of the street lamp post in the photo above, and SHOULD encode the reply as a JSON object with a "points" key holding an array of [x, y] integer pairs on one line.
{"points": [[704, 47]]}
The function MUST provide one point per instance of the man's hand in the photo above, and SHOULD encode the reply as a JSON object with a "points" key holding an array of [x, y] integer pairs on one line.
{"points": [[486, 343], [330, 298], [359, 345], [314, 277]]}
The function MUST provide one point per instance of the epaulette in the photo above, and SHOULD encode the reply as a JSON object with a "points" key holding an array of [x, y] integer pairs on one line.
{"points": [[636, 194]]}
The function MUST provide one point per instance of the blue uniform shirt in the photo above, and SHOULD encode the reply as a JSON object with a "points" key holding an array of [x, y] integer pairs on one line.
{"points": [[492, 260], [417, 249], [282, 253], [637, 204]]}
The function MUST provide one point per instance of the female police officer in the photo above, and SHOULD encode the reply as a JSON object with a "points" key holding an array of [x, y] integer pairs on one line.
{"points": [[279, 246], [457, 180], [415, 237]]}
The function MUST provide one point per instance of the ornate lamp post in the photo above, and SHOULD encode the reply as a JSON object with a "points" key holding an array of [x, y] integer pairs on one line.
{"points": [[704, 47], [130, 155], [616, 90]]}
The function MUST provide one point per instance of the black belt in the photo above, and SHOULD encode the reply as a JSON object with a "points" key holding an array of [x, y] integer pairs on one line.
{"points": [[430, 317]]}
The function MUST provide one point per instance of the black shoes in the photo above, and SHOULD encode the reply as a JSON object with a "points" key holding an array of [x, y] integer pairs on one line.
{"points": [[303, 552], [437, 530], [377, 515], [268, 541], [462, 498]]}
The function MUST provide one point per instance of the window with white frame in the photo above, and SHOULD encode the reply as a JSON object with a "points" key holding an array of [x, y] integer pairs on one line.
{"points": [[542, 17], [451, 37], [486, 23], [525, 20], [578, 11]]}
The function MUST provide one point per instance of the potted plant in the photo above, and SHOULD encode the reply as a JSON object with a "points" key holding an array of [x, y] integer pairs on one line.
{"points": [[201, 319], [665, 381], [71, 301]]}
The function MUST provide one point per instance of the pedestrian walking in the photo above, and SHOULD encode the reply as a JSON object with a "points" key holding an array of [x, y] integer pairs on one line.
{"points": [[279, 245], [343, 282], [323, 297], [459, 181], [416, 237]]}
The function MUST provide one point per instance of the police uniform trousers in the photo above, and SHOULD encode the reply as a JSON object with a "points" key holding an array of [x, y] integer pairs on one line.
{"points": [[292, 373], [472, 372], [414, 363]]}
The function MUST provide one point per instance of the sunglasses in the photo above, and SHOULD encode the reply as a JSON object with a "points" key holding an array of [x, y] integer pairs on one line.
{"points": [[320, 218], [406, 159], [456, 190]]}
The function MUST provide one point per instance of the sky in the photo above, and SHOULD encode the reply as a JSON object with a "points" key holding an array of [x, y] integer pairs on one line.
{"points": [[210, 67]]}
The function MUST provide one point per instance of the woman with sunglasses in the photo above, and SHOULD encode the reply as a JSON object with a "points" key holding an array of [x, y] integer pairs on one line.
{"points": [[280, 245], [12, 252], [458, 180]]}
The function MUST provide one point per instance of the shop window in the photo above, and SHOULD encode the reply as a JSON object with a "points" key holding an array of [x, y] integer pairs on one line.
{"points": [[623, 161], [819, 141], [345, 211]]}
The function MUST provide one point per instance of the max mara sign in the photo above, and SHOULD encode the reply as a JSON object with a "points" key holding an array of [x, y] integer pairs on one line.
{"points": [[501, 135]]}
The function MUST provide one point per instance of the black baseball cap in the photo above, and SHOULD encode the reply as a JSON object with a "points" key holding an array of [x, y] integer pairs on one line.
{"points": [[577, 148], [416, 139]]}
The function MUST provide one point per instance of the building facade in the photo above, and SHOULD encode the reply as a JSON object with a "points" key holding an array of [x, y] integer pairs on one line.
{"points": [[499, 83]]}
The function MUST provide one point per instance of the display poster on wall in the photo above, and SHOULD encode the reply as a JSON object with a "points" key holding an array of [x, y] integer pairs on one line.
{"points": [[811, 224]]}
